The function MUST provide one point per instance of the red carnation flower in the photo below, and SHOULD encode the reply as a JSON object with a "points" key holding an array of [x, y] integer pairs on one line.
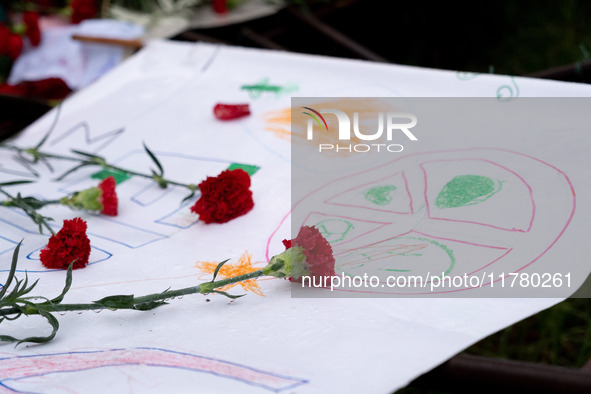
{"points": [[82, 9], [4, 34], [318, 252], [108, 196], [13, 90], [69, 244], [230, 111], [220, 6], [224, 197], [31, 20], [46, 89], [14, 46]]}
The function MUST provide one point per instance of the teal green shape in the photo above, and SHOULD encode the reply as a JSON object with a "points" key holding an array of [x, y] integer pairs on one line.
{"points": [[466, 190], [379, 195], [249, 168], [119, 176]]}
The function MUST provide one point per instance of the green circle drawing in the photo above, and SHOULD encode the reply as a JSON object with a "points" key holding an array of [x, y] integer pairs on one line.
{"points": [[334, 230], [448, 251]]}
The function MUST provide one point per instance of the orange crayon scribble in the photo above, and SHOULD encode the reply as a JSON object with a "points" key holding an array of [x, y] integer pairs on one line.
{"points": [[279, 122], [242, 266]]}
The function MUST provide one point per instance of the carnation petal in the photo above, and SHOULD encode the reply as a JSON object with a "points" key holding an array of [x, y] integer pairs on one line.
{"points": [[70, 244]]}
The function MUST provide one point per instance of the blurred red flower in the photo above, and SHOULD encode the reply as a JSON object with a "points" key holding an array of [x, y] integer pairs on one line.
{"points": [[14, 46], [220, 6], [31, 20], [230, 111], [82, 9], [46, 89]]}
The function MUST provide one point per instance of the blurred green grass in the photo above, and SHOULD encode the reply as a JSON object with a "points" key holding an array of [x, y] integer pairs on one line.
{"points": [[543, 34], [560, 335], [505, 37]]}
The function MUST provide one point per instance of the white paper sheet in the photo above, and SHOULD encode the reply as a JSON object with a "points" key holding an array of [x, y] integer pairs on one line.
{"points": [[164, 97]]}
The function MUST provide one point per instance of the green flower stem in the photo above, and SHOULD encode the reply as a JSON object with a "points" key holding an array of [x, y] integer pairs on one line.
{"points": [[37, 154], [12, 203], [29, 210], [208, 287], [159, 180]]}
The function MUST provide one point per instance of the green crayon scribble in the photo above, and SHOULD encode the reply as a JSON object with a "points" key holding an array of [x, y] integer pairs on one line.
{"points": [[464, 190], [334, 230], [395, 252], [508, 92], [256, 90], [379, 195]]}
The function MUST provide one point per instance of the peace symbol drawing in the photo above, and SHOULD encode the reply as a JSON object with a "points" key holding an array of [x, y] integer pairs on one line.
{"points": [[455, 212]]}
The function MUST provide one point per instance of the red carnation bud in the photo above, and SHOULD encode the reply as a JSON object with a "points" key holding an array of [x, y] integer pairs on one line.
{"points": [[31, 20], [69, 245], [230, 111], [224, 197], [108, 197]]}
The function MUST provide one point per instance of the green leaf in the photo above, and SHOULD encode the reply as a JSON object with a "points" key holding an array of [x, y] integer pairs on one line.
{"points": [[18, 314], [7, 338], [12, 183], [117, 301], [154, 159], [12, 270], [159, 180], [28, 202], [57, 115], [217, 269], [190, 196], [91, 159], [54, 325], [71, 170], [228, 295], [60, 297], [149, 305], [27, 290], [89, 155]]}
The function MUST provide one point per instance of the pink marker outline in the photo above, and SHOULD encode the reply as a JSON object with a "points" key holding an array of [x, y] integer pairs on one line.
{"points": [[22, 367], [560, 234]]}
